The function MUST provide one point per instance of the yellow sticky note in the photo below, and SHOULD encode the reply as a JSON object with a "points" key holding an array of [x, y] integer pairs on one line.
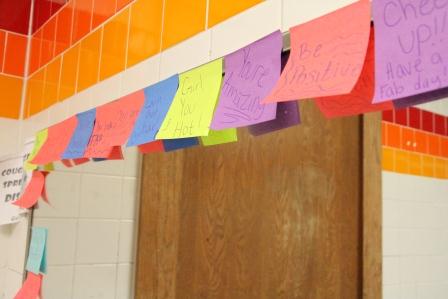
{"points": [[48, 167], [220, 137], [191, 112], [41, 137]]}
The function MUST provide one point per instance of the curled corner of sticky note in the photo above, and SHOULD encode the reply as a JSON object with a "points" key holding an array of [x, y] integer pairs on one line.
{"points": [[33, 191]]}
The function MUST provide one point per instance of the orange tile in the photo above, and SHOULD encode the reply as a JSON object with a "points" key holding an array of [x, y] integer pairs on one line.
{"points": [[421, 141], [220, 10], [36, 42], [445, 161], [69, 72], [439, 168], [383, 133], [48, 42], [401, 161], [102, 10], [36, 90], [444, 147], [388, 159], [415, 164], [434, 144], [64, 29], [82, 17], [122, 3], [144, 31], [428, 166], [89, 60], [11, 88], [2, 47], [182, 19], [15, 54], [52, 83], [113, 53], [393, 135], [407, 139]]}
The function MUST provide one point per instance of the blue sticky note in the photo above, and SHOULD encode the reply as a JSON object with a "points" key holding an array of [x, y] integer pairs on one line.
{"points": [[176, 144], [81, 136], [158, 99], [37, 256]]}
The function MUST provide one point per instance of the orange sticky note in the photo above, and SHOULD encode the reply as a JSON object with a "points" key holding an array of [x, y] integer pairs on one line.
{"points": [[327, 55], [31, 287], [151, 147], [114, 124], [33, 191], [57, 141], [360, 99]]}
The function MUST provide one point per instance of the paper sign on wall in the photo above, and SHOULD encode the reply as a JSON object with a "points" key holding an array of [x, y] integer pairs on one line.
{"points": [[39, 141], [33, 191], [57, 141], [220, 137], [327, 55], [37, 261], [31, 287], [411, 46], [114, 123], [192, 109], [81, 136], [158, 99], [360, 99], [250, 75]]}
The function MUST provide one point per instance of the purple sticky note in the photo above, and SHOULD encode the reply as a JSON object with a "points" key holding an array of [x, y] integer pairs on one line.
{"points": [[421, 98], [411, 47], [287, 116], [250, 74]]}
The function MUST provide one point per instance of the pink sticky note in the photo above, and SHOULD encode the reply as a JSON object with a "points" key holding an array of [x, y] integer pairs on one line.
{"points": [[57, 141], [114, 124], [33, 191], [360, 99], [31, 287], [327, 55]]}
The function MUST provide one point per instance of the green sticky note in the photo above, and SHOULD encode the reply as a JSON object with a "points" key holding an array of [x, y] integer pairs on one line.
{"points": [[40, 139], [37, 256], [220, 137], [191, 111]]}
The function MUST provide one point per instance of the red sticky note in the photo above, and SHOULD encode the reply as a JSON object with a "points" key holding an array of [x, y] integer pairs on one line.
{"points": [[80, 161], [151, 147], [67, 162], [360, 99], [327, 55], [31, 287], [115, 153], [33, 191], [114, 124], [59, 137]]}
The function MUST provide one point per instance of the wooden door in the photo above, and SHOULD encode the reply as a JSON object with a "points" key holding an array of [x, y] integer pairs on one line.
{"points": [[276, 216]]}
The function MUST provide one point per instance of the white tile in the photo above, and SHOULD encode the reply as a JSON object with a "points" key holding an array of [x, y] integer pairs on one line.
{"points": [[391, 242], [409, 269], [58, 112], [298, 12], [130, 199], [108, 167], [63, 193], [125, 281], [17, 245], [57, 284], [9, 132], [61, 240], [141, 75], [391, 292], [80, 102], [243, 29], [107, 90], [97, 241], [126, 250], [186, 55], [13, 283], [32, 125], [96, 282], [133, 162], [408, 291], [432, 291], [100, 196], [391, 270]]}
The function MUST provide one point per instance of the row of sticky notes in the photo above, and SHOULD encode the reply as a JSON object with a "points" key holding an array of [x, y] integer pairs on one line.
{"points": [[339, 60]]}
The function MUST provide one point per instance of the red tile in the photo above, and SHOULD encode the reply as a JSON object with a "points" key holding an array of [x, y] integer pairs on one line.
{"points": [[82, 17], [41, 13], [48, 41], [14, 63], [56, 6], [2, 48], [440, 124], [401, 116], [446, 125], [428, 121], [15, 15], [388, 115], [63, 29], [415, 118]]}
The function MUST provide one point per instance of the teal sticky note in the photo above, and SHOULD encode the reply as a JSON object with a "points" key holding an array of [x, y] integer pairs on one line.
{"points": [[37, 256]]}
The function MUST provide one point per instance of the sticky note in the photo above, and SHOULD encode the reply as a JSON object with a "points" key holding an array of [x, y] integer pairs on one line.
{"points": [[360, 99], [220, 137], [177, 144], [39, 141], [31, 287], [32, 191], [36, 261], [411, 47], [81, 136], [192, 109], [151, 147], [327, 55], [250, 75], [158, 99], [287, 116], [421, 98], [59, 136], [114, 123]]}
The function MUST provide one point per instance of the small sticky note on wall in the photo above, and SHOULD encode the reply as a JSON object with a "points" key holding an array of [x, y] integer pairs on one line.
{"points": [[37, 256]]}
